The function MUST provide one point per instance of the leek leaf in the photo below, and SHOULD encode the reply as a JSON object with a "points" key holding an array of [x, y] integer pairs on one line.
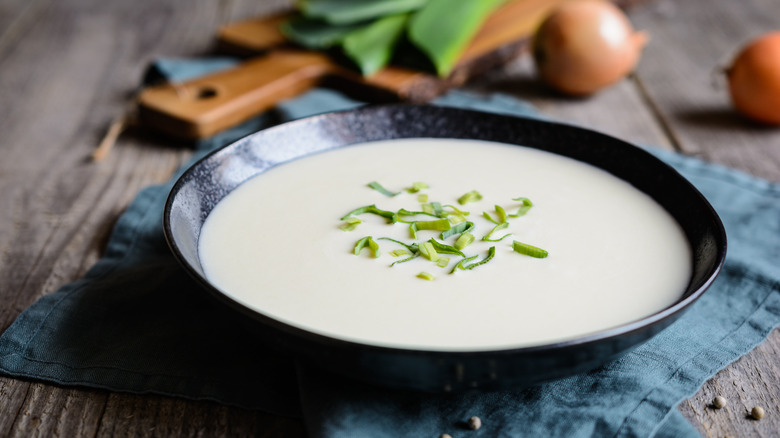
{"points": [[371, 47], [315, 34], [442, 29], [354, 11], [379, 188]]}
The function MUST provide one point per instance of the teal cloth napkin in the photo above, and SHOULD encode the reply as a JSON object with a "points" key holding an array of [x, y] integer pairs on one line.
{"points": [[137, 323]]}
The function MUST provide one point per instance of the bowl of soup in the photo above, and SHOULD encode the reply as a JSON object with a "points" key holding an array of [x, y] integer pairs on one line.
{"points": [[443, 249]]}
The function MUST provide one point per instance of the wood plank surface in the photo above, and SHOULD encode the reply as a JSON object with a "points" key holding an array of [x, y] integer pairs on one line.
{"points": [[70, 66]]}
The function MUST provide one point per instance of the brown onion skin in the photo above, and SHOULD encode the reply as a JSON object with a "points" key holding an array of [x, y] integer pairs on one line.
{"points": [[584, 46], [754, 79]]}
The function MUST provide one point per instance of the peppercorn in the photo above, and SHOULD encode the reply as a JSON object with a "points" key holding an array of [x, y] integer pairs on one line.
{"points": [[757, 412], [719, 402], [475, 423]]}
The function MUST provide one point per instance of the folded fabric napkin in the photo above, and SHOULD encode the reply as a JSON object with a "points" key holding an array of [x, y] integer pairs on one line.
{"points": [[137, 323]]}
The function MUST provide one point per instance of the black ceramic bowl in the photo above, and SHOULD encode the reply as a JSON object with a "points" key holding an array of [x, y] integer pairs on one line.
{"points": [[212, 178]]}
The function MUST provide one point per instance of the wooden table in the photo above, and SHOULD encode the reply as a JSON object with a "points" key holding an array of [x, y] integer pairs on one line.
{"points": [[68, 68]]}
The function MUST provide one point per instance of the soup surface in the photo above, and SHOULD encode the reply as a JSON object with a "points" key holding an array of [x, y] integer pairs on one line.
{"points": [[276, 245]]}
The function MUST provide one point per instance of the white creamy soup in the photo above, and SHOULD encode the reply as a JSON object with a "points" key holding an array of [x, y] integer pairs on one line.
{"points": [[276, 245]]}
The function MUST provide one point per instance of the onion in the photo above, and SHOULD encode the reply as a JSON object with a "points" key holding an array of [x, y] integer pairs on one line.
{"points": [[583, 46], [754, 79]]}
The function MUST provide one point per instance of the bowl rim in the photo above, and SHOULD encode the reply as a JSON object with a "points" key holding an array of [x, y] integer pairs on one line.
{"points": [[656, 318]]}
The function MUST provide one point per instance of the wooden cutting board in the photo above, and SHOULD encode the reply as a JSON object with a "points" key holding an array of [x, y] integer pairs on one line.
{"points": [[202, 107]]}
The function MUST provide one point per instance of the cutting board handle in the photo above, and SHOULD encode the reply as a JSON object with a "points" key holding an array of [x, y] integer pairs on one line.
{"points": [[204, 106]]}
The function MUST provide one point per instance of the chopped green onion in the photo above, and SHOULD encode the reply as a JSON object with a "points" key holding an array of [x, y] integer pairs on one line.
{"points": [[428, 251], [437, 210], [416, 187], [529, 250], [463, 227], [486, 239], [500, 226], [405, 212], [371, 245], [460, 265], [445, 249], [422, 198], [527, 204], [443, 262], [491, 253], [399, 252], [428, 209], [487, 216], [413, 256], [456, 211], [501, 213], [411, 247], [389, 215], [464, 240], [378, 187], [454, 220], [426, 276], [350, 223], [472, 196], [438, 225]]}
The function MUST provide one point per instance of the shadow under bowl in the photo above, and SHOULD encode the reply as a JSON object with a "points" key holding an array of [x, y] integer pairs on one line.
{"points": [[208, 181]]}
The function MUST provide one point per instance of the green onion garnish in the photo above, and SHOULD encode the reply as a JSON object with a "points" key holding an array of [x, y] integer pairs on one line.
{"points": [[350, 223], [529, 250], [464, 240], [410, 247], [454, 220], [491, 253], [486, 239], [463, 227], [437, 210], [389, 215], [527, 204], [378, 187], [443, 262], [428, 251], [501, 213], [405, 212], [471, 196], [462, 263], [371, 245], [445, 249], [416, 187], [487, 216], [456, 211], [413, 256], [426, 276], [500, 226], [422, 198], [438, 225], [428, 209], [399, 252]]}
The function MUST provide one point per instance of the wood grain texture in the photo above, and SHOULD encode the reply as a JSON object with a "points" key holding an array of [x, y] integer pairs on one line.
{"points": [[686, 84], [688, 94], [70, 66]]}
